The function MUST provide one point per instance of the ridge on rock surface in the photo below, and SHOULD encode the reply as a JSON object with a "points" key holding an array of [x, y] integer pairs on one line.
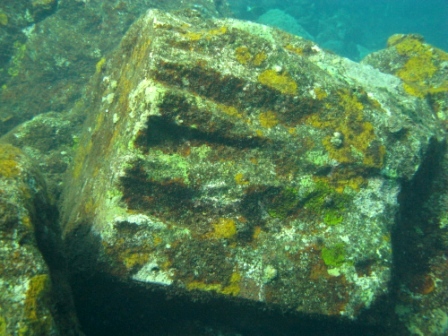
{"points": [[231, 158]]}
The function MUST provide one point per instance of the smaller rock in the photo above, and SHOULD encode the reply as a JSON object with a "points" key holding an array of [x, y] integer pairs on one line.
{"points": [[422, 68], [27, 297]]}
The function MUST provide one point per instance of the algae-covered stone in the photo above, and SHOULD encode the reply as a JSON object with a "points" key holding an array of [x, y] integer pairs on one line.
{"points": [[422, 67], [231, 158], [27, 299]]}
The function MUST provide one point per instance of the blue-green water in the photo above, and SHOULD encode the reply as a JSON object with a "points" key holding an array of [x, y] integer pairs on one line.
{"points": [[351, 28]]}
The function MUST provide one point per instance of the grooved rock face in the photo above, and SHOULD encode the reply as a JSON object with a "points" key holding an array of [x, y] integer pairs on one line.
{"points": [[231, 158]]}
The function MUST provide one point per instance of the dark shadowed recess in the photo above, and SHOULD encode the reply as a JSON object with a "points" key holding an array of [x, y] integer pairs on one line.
{"points": [[108, 307], [416, 238], [163, 131]]}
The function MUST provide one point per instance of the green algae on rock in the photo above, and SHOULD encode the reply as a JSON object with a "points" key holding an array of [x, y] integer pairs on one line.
{"points": [[204, 168]]}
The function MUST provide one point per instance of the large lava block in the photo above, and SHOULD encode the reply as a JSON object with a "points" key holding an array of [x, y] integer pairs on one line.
{"points": [[227, 158]]}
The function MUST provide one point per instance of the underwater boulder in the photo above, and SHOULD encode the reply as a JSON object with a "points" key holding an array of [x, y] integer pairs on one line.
{"points": [[422, 230], [422, 67], [226, 159]]}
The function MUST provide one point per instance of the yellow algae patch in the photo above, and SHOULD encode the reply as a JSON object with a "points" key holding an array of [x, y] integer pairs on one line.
{"points": [[419, 67], [26, 221], [243, 55], [355, 182], [135, 259], [9, 166], [3, 19], [233, 288], [217, 31], [259, 58], [256, 233], [350, 103], [320, 93], [230, 110], [157, 240], [414, 73], [166, 265], [340, 181], [77, 168], [200, 285], [224, 228], [36, 295], [194, 36], [295, 50], [358, 142], [268, 119], [3, 325], [259, 133], [240, 179], [356, 145], [99, 66], [207, 34], [280, 82]]}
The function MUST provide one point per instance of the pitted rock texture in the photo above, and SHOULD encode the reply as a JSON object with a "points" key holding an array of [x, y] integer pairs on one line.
{"points": [[230, 158]]}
